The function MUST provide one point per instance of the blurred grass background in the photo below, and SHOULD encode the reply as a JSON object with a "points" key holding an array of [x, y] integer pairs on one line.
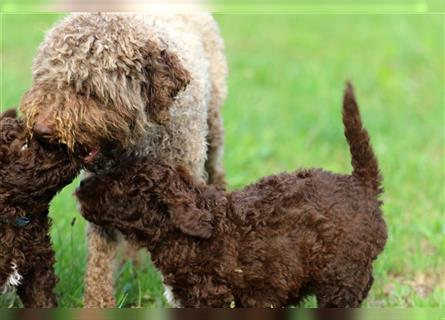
{"points": [[287, 74]]}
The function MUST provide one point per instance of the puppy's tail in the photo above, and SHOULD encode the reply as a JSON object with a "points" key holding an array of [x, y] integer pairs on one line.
{"points": [[364, 162]]}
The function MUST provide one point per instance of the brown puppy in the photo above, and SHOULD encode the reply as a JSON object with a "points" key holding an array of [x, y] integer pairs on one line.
{"points": [[271, 244], [30, 175]]}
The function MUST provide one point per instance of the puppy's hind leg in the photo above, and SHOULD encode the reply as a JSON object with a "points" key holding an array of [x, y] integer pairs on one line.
{"points": [[346, 293]]}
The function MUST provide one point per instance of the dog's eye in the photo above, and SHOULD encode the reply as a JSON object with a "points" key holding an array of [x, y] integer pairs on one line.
{"points": [[24, 147]]}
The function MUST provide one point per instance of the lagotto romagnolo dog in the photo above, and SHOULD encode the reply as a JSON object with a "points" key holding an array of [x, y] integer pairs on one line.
{"points": [[151, 85], [271, 244], [31, 174]]}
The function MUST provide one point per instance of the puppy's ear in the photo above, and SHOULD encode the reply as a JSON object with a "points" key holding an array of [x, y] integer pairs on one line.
{"points": [[192, 221], [11, 113], [165, 78]]}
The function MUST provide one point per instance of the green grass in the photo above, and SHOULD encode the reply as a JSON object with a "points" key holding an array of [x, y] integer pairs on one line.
{"points": [[286, 79]]}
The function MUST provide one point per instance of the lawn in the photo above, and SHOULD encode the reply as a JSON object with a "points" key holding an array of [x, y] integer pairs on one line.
{"points": [[287, 74]]}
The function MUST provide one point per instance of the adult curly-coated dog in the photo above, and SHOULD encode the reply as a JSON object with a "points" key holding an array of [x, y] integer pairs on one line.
{"points": [[30, 175], [152, 85], [271, 244]]}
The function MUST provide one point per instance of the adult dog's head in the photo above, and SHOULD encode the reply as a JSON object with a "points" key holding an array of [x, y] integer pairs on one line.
{"points": [[99, 81]]}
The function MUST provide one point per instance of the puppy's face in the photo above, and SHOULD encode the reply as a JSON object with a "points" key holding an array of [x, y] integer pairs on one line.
{"points": [[120, 188], [30, 175], [145, 195], [29, 169]]}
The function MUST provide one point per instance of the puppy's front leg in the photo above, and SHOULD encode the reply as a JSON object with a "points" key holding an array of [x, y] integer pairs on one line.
{"points": [[37, 286]]}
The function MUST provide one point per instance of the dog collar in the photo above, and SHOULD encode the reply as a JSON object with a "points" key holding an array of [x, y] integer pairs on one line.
{"points": [[19, 222]]}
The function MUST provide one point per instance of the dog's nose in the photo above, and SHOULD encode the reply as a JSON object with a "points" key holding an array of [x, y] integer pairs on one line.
{"points": [[42, 130], [82, 183]]}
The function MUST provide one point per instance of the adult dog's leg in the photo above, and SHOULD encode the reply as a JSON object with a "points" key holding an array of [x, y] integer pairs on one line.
{"points": [[214, 48], [129, 251], [215, 143], [102, 246]]}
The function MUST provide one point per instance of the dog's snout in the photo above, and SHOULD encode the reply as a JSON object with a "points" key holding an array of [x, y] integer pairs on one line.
{"points": [[82, 183], [42, 130]]}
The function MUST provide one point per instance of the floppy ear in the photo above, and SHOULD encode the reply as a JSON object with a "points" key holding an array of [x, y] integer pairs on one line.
{"points": [[165, 77], [11, 113], [192, 221], [4, 135]]}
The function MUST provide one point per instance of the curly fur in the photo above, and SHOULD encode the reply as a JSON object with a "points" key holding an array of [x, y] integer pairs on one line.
{"points": [[30, 175], [271, 244], [142, 84]]}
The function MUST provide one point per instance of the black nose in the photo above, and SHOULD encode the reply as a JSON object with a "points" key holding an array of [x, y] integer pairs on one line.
{"points": [[87, 183]]}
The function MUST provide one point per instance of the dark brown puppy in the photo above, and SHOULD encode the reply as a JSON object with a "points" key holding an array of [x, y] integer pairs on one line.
{"points": [[271, 244], [30, 176]]}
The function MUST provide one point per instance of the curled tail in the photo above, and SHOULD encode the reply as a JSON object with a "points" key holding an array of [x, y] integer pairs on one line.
{"points": [[364, 162]]}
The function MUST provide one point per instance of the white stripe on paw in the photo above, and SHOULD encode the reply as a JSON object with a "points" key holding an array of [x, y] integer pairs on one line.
{"points": [[168, 295], [13, 280]]}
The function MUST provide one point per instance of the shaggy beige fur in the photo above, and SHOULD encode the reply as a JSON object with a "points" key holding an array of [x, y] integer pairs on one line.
{"points": [[149, 84]]}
